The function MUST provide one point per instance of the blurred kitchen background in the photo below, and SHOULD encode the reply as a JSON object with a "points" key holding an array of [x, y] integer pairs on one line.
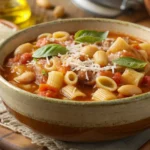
{"points": [[26, 13]]}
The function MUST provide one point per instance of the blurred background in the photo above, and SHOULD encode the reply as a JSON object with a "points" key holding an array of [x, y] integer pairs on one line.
{"points": [[26, 13]]}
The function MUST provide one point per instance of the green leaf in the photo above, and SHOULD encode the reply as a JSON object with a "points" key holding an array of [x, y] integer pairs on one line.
{"points": [[130, 62], [44, 73], [49, 50], [89, 36]]}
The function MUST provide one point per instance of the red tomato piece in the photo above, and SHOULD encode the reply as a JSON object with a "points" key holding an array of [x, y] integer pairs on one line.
{"points": [[127, 54], [16, 58], [136, 46], [117, 77], [25, 58], [47, 90], [106, 73], [41, 42], [146, 80]]}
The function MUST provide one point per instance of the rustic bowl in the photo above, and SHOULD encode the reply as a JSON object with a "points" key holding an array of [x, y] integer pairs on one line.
{"points": [[9, 24], [72, 120]]}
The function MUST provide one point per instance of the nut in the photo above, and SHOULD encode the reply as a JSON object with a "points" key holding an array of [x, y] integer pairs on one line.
{"points": [[58, 12], [44, 3]]}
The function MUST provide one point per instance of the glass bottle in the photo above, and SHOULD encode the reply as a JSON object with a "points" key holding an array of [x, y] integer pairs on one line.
{"points": [[16, 11]]}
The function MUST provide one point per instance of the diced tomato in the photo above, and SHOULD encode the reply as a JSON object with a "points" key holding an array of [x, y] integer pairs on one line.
{"points": [[83, 57], [47, 90], [11, 61], [127, 54], [117, 78], [136, 46], [16, 58], [64, 69], [106, 73], [146, 80], [41, 42], [25, 58]]}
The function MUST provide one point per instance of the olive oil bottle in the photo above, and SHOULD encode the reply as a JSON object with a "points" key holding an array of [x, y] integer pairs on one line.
{"points": [[16, 11]]}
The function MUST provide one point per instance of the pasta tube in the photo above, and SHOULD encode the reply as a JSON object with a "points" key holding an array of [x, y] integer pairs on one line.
{"points": [[55, 79], [119, 45], [53, 64], [72, 92], [102, 95], [106, 83], [71, 78], [61, 35], [131, 76]]}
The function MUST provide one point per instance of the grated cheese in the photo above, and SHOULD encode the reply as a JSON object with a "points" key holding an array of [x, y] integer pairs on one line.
{"points": [[72, 59], [86, 76], [47, 61]]}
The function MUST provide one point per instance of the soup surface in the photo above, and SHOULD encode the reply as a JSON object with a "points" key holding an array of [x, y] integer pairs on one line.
{"points": [[84, 66]]}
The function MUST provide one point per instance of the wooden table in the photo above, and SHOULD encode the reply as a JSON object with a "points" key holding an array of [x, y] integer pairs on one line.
{"points": [[10, 140]]}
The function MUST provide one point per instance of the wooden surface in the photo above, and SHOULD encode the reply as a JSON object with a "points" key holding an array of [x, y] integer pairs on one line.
{"points": [[10, 140]]}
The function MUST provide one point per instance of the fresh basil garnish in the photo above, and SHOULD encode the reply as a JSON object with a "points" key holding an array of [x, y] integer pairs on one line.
{"points": [[49, 50], [130, 62], [89, 36]]}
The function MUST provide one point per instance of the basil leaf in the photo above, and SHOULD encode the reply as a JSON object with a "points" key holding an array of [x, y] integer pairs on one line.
{"points": [[130, 62], [49, 50], [90, 36]]}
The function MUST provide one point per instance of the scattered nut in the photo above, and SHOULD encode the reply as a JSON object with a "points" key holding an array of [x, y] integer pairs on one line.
{"points": [[44, 3], [58, 12]]}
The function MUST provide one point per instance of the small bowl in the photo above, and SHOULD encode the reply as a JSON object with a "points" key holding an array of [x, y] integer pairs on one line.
{"points": [[73, 120], [9, 24]]}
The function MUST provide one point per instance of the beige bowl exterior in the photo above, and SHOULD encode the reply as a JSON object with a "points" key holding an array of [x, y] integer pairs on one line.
{"points": [[72, 120]]}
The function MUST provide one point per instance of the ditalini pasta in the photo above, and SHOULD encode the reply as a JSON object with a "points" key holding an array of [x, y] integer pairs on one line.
{"points": [[71, 78], [61, 35], [55, 79], [71, 92], [87, 65], [106, 83]]}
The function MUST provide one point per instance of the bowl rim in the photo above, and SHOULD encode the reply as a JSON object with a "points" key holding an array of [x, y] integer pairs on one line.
{"points": [[9, 24], [76, 102]]}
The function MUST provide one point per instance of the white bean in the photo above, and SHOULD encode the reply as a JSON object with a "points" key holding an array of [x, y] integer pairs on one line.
{"points": [[129, 90], [24, 48], [89, 50], [25, 78], [100, 58]]}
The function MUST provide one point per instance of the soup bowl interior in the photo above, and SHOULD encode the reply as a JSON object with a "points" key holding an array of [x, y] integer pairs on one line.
{"points": [[73, 120]]}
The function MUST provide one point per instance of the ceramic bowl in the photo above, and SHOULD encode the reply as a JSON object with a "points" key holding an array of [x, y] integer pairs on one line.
{"points": [[9, 24], [72, 120]]}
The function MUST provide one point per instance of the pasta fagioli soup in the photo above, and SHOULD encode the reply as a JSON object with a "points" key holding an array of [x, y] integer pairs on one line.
{"points": [[85, 66]]}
